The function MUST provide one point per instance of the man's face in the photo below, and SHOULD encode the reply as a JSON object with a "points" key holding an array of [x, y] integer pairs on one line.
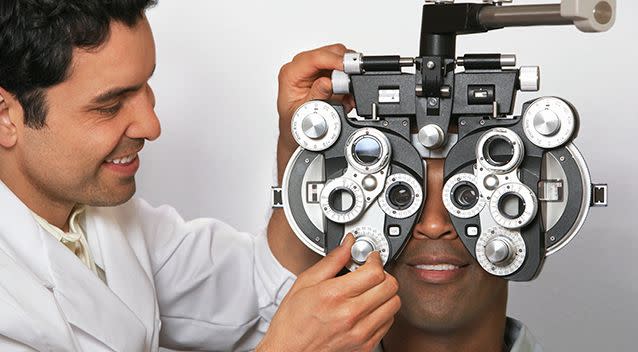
{"points": [[101, 112], [442, 287]]}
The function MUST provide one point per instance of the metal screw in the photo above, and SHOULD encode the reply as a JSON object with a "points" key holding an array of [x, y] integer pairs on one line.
{"points": [[463, 123], [430, 65], [307, 161], [562, 158], [433, 101], [317, 239], [552, 238], [405, 123], [482, 122], [385, 123]]}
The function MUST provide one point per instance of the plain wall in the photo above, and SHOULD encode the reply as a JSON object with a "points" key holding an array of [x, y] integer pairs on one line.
{"points": [[216, 88]]}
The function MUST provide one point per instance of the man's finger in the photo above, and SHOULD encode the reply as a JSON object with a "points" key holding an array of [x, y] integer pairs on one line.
{"points": [[364, 278], [321, 89], [378, 295], [331, 265], [309, 64], [380, 320]]}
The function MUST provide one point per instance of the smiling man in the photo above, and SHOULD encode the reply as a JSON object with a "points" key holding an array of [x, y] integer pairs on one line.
{"points": [[86, 267], [449, 303]]}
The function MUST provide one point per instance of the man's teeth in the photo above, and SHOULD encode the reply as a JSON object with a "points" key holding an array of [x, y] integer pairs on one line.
{"points": [[438, 267], [125, 160]]}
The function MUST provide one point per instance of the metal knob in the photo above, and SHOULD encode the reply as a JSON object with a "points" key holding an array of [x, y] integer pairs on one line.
{"points": [[498, 250], [529, 78], [340, 82], [314, 126], [361, 249], [431, 136], [546, 122], [352, 63]]}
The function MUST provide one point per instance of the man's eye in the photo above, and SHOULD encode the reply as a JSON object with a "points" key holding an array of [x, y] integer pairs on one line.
{"points": [[110, 110]]}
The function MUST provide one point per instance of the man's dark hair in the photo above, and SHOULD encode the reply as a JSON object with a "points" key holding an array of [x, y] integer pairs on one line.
{"points": [[37, 38]]}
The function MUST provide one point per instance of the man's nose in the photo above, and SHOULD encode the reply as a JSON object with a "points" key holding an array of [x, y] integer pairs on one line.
{"points": [[145, 124], [435, 221], [435, 224]]}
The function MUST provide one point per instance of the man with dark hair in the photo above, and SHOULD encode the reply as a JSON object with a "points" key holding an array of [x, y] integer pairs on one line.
{"points": [[86, 267]]}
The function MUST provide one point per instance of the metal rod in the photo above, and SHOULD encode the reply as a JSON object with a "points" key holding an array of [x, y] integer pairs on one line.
{"points": [[522, 15]]}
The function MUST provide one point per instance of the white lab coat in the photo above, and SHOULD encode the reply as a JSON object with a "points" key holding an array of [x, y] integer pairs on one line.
{"points": [[206, 285]]}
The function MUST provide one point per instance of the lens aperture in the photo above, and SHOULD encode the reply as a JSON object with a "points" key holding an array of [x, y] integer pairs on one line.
{"points": [[341, 200], [465, 195], [400, 196], [498, 151], [367, 150], [511, 205]]}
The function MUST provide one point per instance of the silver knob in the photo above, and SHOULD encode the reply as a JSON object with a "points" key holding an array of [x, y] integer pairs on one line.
{"points": [[431, 136], [314, 126], [498, 250], [352, 63], [529, 78], [361, 249], [546, 122], [340, 82]]}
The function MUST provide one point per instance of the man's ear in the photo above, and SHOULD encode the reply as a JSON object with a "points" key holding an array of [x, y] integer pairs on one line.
{"points": [[8, 130]]}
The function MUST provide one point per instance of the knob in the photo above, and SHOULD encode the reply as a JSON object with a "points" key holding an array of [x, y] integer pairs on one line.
{"points": [[498, 250], [352, 63], [431, 136], [529, 78], [361, 249], [314, 126], [340, 82], [546, 122]]}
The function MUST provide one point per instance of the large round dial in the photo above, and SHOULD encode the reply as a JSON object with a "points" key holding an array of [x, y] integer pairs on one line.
{"points": [[367, 240], [549, 122], [316, 125], [500, 251]]}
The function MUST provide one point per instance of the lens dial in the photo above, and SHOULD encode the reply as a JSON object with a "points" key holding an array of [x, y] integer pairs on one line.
{"points": [[342, 200], [500, 150], [367, 240], [402, 196], [549, 122], [461, 196], [367, 150], [316, 125], [500, 252], [513, 205]]}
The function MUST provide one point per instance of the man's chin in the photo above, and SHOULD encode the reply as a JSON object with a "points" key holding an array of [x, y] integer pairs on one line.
{"points": [[113, 196]]}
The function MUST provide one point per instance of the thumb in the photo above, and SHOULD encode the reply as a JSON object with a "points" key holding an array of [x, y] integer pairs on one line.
{"points": [[321, 89], [331, 265]]}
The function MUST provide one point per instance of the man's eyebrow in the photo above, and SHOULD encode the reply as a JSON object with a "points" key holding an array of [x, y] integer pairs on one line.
{"points": [[118, 92]]}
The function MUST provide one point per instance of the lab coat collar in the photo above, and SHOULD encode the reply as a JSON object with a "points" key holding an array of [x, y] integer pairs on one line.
{"points": [[115, 315]]}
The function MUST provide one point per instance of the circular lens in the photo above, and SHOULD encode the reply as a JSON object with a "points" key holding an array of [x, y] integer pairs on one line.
{"points": [[511, 205], [367, 150], [498, 151], [465, 195], [341, 200], [400, 196]]}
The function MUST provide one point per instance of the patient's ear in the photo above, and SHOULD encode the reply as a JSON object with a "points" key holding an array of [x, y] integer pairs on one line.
{"points": [[8, 130]]}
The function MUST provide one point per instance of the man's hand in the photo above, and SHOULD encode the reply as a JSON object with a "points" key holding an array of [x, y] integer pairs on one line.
{"points": [[327, 313], [306, 77]]}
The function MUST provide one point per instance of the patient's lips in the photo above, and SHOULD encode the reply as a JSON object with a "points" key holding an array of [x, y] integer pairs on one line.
{"points": [[438, 269]]}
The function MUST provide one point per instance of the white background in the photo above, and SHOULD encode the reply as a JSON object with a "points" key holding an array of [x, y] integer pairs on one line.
{"points": [[216, 87]]}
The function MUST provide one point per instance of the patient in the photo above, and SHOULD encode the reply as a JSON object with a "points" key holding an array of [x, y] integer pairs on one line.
{"points": [[449, 303]]}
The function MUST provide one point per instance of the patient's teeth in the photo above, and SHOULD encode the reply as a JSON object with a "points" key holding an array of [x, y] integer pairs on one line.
{"points": [[438, 267]]}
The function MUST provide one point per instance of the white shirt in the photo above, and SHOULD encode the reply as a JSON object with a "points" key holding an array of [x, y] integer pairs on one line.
{"points": [[205, 284]]}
